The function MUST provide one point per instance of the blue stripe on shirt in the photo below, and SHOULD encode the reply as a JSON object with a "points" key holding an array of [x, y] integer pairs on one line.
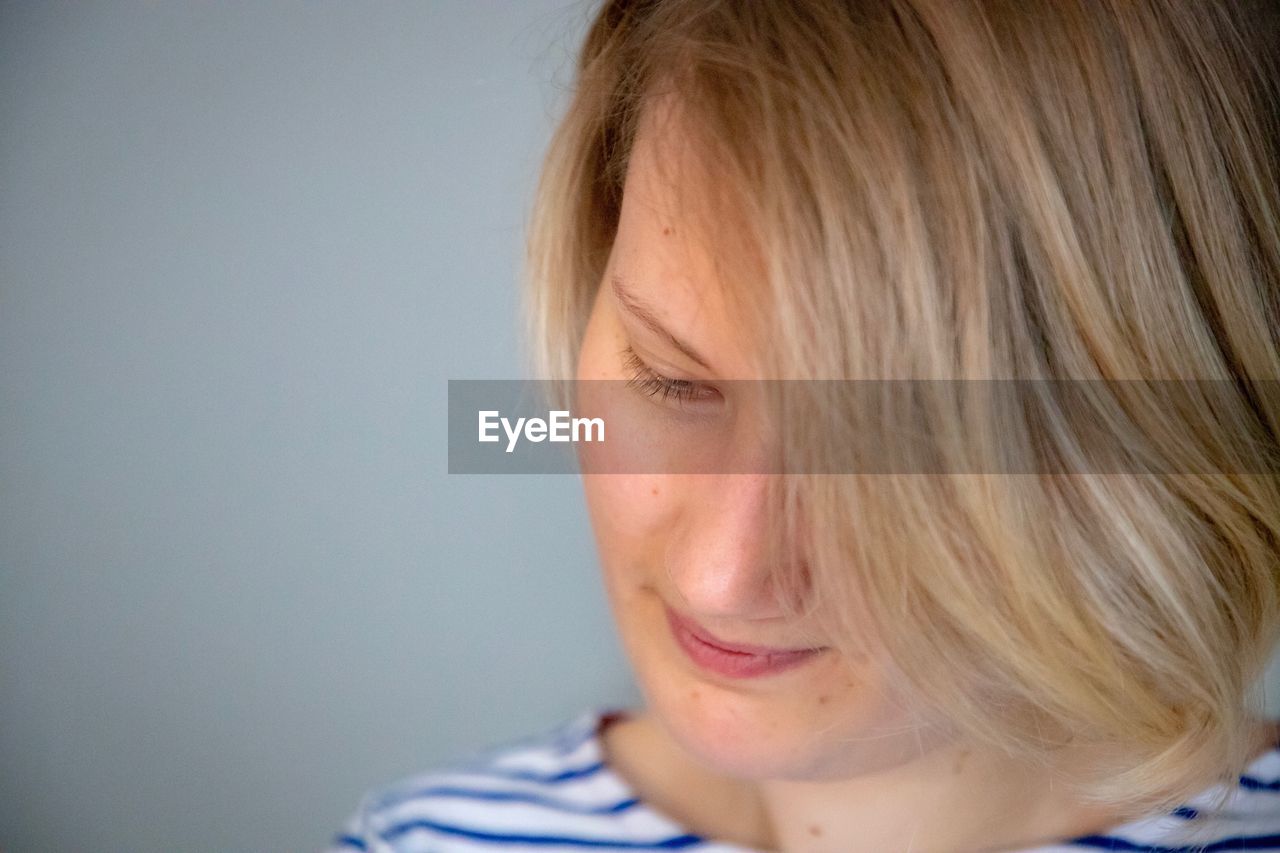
{"points": [[677, 842], [394, 798], [542, 778], [1249, 842], [1253, 784], [515, 796]]}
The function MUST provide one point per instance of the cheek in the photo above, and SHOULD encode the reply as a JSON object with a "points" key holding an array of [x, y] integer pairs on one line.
{"points": [[629, 511], [630, 503], [630, 516]]}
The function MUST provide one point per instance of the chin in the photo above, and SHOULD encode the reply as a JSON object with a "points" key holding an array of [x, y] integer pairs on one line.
{"points": [[733, 734], [751, 733], [828, 728]]}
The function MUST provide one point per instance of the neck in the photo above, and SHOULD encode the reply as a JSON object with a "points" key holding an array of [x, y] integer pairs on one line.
{"points": [[949, 799], [952, 798]]}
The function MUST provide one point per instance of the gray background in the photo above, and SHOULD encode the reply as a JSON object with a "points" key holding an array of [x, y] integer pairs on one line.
{"points": [[242, 247]]}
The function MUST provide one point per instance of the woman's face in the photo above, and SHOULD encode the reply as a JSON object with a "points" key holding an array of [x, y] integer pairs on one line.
{"points": [[690, 544]]}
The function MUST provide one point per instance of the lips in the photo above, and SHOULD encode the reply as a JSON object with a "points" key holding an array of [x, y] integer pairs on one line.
{"points": [[734, 660]]}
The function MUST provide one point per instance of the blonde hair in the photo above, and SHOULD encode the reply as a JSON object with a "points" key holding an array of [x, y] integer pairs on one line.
{"points": [[949, 189]]}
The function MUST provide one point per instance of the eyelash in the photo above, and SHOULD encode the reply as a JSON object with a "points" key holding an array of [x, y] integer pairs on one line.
{"points": [[653, 384]]}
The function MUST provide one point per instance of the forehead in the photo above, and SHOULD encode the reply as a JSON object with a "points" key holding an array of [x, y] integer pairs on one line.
{"points": [[664, 194], [677, 241]]}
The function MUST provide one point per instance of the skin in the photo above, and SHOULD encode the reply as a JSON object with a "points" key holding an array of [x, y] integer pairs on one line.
{"points": [[818, 758]]}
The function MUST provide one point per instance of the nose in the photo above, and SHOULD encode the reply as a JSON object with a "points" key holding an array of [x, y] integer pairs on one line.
{"points": [[716, 557]]}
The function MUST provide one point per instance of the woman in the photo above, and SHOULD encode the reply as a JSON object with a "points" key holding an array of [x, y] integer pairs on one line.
{"points": [[961, 658]]}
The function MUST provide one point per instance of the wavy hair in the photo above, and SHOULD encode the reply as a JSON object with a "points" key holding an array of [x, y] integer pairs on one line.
{"points": [[953, 189]]}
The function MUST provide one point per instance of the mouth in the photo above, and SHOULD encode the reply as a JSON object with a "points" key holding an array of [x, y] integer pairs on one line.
{"points": [[734, 660]]}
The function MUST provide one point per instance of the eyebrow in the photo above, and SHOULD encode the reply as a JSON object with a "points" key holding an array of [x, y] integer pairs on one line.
{"points": [[638, 309]]}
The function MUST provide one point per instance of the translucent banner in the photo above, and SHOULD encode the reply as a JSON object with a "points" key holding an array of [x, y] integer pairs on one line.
{"points": [[1156, 427]]}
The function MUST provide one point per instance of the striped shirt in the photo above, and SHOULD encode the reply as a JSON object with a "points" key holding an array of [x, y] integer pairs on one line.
{"points": [[554, 793]]}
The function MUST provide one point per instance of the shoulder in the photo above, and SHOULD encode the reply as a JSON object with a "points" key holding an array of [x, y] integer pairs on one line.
{"points": [[551, 789]]}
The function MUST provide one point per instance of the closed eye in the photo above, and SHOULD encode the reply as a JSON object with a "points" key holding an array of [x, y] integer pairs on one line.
{"points": [[649, 382]]}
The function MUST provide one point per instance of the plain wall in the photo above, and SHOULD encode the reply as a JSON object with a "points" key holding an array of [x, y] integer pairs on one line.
{"points": [[242, 248], [243, 245]]}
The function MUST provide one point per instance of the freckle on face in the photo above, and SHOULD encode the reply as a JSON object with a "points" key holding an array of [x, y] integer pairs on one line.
{"points": [[654, 492]]}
